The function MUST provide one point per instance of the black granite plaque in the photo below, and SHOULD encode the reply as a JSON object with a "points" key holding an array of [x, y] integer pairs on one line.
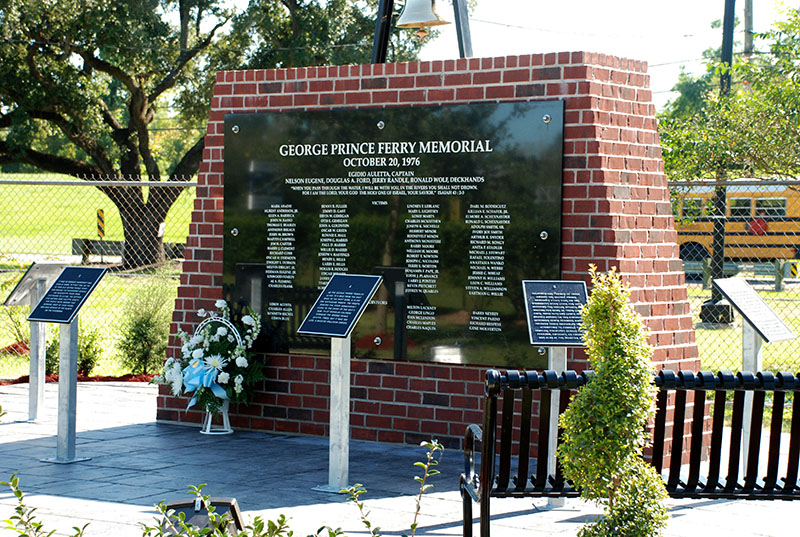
{"points": [[340, 305], [554, 312], [61, 303], [753, 308], [465, 200]]}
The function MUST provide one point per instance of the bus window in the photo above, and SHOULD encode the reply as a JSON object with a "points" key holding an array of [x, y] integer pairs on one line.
{"points": [[740, 207], [771, 207], [692, 207]]}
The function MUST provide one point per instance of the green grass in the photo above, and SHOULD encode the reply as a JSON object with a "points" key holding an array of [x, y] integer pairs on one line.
{"points": [[43, 219]]}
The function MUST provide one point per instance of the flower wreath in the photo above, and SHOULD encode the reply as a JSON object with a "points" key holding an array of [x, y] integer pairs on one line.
{"points": [[215, 364]]}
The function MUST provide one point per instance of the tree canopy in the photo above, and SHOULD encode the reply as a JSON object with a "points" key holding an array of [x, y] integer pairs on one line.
{"points": [[754, 131], [82, 83]]}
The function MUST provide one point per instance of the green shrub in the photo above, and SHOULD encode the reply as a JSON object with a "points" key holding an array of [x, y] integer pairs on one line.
{"points": [[605, 424], [89, 350], [145, 328]]}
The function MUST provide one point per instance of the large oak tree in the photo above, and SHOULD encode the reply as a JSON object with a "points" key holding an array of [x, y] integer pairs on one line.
{"points": [[95, 73]]}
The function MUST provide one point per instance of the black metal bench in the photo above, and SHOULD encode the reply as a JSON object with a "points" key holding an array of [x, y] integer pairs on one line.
{"points": [[692, 473]]}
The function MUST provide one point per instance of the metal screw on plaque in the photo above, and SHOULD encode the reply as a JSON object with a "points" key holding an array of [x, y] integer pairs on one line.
{"points": [[542, 351], [546, 118], [235, 231], [235, 129], [381, 125], [543, 235], [377, 341]]}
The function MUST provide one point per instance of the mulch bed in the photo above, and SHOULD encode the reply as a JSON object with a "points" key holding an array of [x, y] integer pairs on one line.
{"points": [[81, 378]]}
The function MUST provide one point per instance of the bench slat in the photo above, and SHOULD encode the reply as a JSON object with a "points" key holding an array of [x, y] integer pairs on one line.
{"points": [[775, 432], [543, 448], [754, 446], [696, 447], [678, 425], [524, 440], [735, 451], [715, 452], [794, 448], [506, 428]]}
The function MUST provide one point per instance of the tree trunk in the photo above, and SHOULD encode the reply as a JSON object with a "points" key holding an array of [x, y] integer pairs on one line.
{"points": [[141, 222]]}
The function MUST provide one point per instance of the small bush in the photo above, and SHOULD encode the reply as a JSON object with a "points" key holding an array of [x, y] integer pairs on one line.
{"points": [[89, 350], [604, 426], [145, 328]]}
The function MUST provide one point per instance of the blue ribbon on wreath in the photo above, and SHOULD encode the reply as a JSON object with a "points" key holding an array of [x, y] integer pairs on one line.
{"points": [[198, 374]]}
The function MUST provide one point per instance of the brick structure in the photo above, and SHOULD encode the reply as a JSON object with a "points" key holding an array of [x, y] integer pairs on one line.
{"points": [[616, 212]]}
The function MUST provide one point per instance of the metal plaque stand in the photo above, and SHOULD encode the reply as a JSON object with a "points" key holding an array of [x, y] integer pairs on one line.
{"points": [[339, 442], [752, 343], [557, 361], [37, 351], [331, 317], [67, 395]]}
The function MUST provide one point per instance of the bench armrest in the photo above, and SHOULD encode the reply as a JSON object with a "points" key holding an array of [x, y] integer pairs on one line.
{"points": [[469, 479]]}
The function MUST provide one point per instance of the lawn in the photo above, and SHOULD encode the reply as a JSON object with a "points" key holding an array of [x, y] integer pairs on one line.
{"points": [[43, 219]]}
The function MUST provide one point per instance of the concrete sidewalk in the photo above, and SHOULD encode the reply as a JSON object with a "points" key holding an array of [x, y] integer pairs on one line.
{"points": [[136, 462]]}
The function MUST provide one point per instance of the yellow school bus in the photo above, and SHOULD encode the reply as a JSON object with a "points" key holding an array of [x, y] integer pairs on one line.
{"points": [[762, 221]]}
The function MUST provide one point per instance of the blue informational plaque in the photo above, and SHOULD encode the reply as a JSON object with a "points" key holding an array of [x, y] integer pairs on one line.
{"points": [[340, 305], [553, 309], [60, 304]]}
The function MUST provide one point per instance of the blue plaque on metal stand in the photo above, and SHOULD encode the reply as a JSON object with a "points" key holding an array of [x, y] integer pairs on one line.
{"points": [[60, 304], [340, 305], [553, 309]]}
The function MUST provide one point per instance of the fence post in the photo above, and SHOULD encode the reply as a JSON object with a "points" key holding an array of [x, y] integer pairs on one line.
{"points": [[779, 266], [707, 273]]}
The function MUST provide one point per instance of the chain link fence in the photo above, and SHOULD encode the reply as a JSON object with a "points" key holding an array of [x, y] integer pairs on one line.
{"points": [[139, 229], [136, 229], [740, 229]]}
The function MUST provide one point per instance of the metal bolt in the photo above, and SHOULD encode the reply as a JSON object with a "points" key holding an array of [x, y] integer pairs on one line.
{"points": [[546, 118], [235, 129], [543, 235], [542, 351], [235, 231], [381, 125], [377, 341]]}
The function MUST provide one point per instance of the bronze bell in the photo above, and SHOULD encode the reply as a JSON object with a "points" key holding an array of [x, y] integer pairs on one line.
{"points": [[419, 14]]}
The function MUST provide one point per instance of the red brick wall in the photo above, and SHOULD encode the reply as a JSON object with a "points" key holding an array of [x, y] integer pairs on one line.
{"points": [[616, 212]]}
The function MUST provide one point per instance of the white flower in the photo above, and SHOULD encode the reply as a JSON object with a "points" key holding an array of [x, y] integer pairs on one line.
{"points": [[222, 331], [196, 340], [202, 312], [220, 304], [238, 379], [231, 339], [223, 378], [197, 353], [169, 362], [215, 361], [248, 320], [241, 361], [238, 388]]}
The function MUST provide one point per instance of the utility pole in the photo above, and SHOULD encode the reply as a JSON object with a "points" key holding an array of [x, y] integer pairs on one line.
{"points": [[718, 310], [748, 29]]}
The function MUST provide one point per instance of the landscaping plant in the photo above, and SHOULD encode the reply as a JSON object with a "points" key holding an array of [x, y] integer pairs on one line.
{"points": [[89, 350], [145, 328], [604, 427]]}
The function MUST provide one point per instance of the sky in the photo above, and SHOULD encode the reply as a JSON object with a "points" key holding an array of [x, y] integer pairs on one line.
{"points": [[665, 34]]}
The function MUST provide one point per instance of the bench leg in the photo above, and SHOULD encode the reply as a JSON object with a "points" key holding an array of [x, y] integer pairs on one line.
{"points": [[466, 508]]}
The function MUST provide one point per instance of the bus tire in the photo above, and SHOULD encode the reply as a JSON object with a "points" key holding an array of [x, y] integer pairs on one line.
{"points": [[693, 251]]}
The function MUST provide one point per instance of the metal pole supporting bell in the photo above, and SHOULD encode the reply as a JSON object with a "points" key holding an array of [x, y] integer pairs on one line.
{"points": [[419, 14]]}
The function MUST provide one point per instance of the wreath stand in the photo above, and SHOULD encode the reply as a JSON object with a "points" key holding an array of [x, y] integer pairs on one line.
{"points": [[209, 427]]}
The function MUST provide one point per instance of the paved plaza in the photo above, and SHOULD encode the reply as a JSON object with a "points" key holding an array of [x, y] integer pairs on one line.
{"points": [[136, 462]]}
